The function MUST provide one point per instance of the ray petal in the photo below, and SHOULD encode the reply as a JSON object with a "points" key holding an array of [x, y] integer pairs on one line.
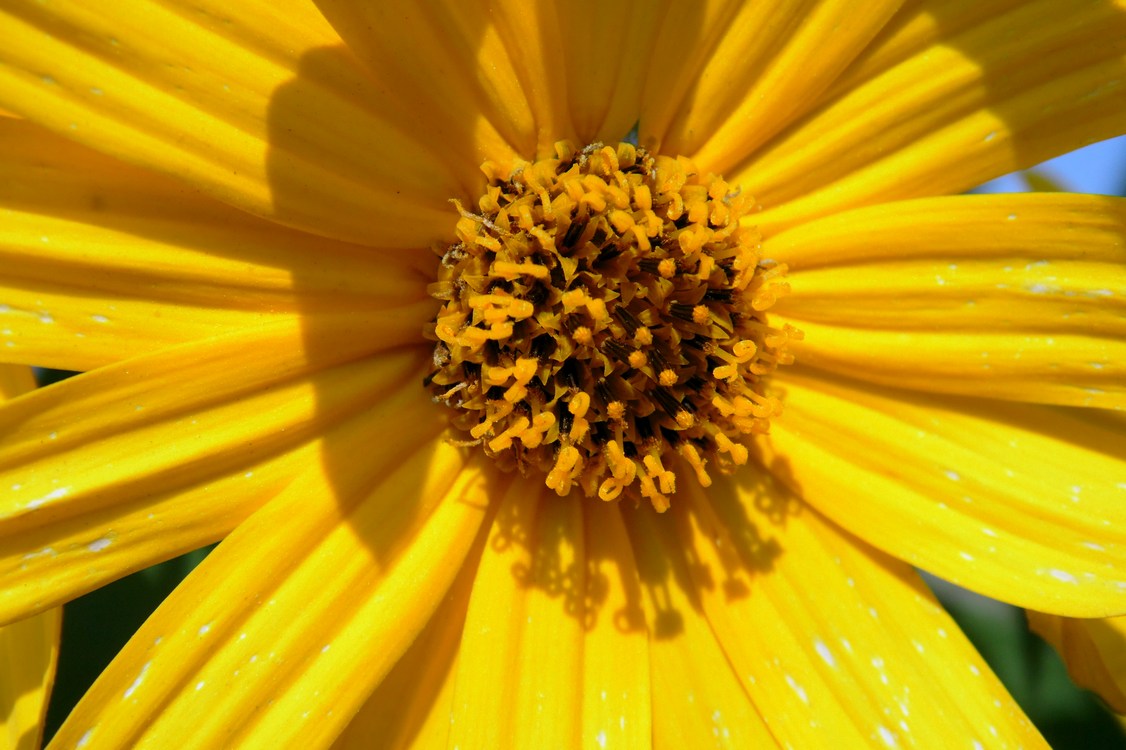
{"points": [[257, 104], [312, 600], [135, 463], [1009, 296], [1004, 91], [838, 644], [1020, 502]]}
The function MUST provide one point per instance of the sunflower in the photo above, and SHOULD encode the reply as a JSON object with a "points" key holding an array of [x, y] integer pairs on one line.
{"points": [[523, 431]]}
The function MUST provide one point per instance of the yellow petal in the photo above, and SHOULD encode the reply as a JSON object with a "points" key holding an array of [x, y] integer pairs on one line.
{"points": [[135, 463], [102, 261], [920, 24], [258, 105], [772, 62], [1019, 502], [608, 48], [1017, 297], [29, 649], [15, 381], [427, 59], [974, 101], [837, 644], [311, 601], [1094, 651], [699, 700], [411, 707], [550, 655]]}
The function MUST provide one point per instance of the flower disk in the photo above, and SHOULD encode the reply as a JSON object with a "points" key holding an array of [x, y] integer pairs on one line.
{"points": [[603, 312]]}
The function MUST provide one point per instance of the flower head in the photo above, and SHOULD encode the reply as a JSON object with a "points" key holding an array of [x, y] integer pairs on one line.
{"points": [[227, 216]]}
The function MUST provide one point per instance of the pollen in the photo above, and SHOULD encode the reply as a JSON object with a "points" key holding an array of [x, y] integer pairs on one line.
{"points": [[603, 323]]}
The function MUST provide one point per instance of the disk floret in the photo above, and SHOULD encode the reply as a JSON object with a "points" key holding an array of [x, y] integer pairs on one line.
{"points": [[603, 322]]}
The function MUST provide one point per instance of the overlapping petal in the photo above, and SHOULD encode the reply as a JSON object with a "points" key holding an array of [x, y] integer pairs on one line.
{"points": [[1015, 297], [1094, 651], [697, 697], [29, 649], [340, 558], [100, 261], [554, 629], [135, 463], [837, 644], [762, 64], [969, 103], [1020, 502], [257, 105]]}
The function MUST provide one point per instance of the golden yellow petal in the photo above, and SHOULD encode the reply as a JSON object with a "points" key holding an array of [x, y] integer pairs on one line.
{"points": [[520, 667], [975, 101], [135, 463], [772, 63], [29, 649], [1094, 651], [411, 707], [428, 59], [608, 51], [102, 261], [1017, 297], [1019, 502], [554, 651], [15, 381], [312, 600], [699, 699], [259, 105], [837, 644]]}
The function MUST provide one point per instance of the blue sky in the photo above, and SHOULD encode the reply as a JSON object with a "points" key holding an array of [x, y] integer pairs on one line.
{"points": [[1098, 168]]}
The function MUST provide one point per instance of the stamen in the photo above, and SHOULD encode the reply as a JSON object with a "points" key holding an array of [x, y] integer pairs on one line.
{"points": [[603, 323]]}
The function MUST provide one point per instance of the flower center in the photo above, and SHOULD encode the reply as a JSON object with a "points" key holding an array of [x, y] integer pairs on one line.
{"points": [[603, 323]]}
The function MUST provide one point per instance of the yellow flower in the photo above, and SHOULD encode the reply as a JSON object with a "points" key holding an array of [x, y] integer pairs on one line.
{"points": [[225, 213]]}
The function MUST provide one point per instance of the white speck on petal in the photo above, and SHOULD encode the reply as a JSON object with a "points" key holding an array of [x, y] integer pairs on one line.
{"points": [[52, 495], [966, 556], [887, 736], [84, 739], [137, 682], [99, 544], [1062, 575], [99, 318], [600, 738], [824, 652], [797, 689], [199, 685], [952, 475], [204, 629]]}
